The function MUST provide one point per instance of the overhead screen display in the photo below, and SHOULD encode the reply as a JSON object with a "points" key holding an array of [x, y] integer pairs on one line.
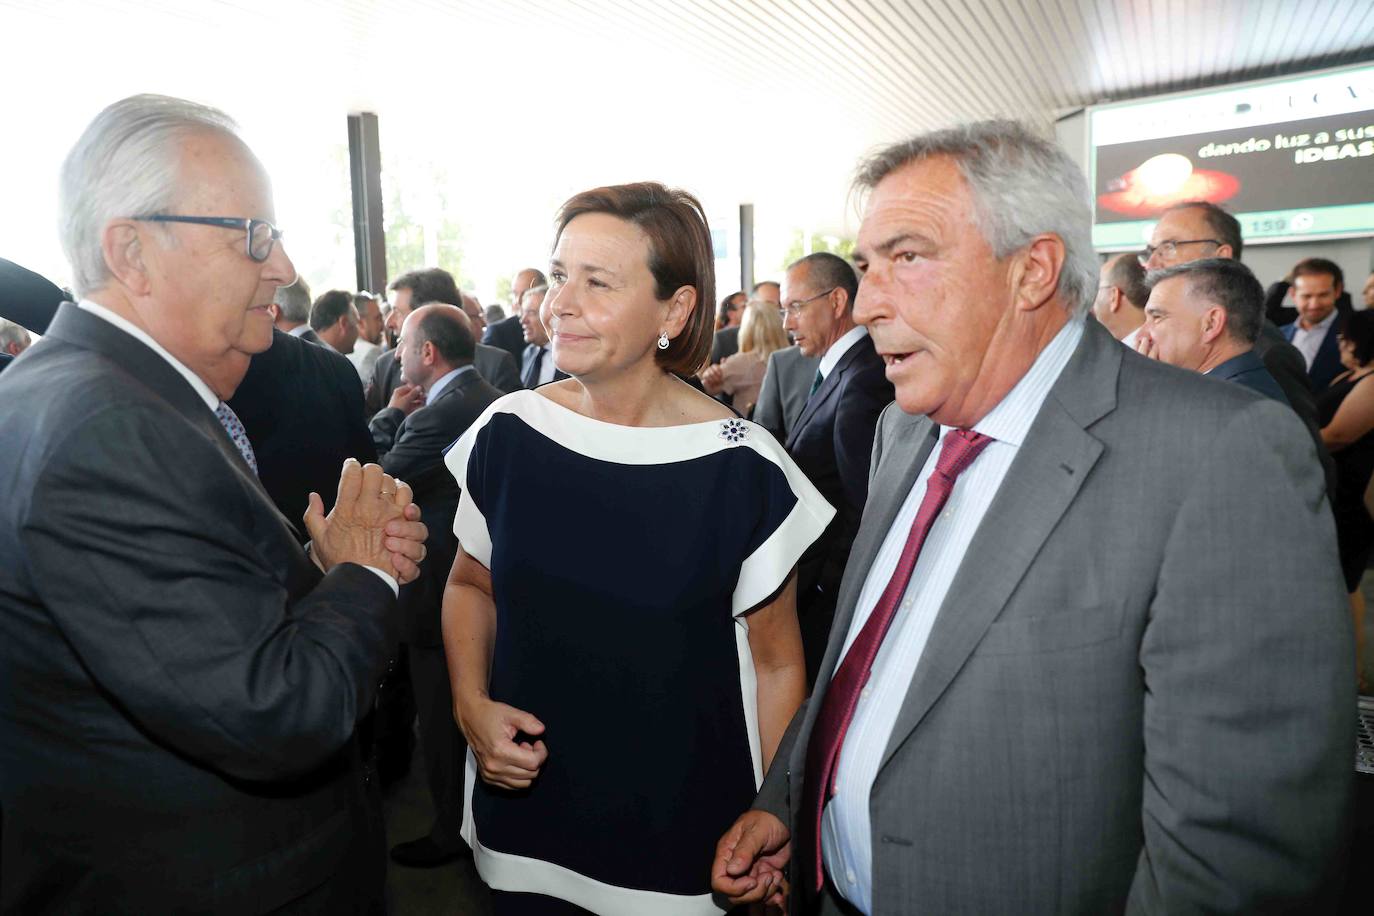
{"points": [[1292, 159]]}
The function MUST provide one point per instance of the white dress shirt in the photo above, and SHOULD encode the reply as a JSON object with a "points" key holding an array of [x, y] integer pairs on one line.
{"points": [[364, 357], [299, 330], [1309, 340], [846, 829], [205, 392], [546, 368], [839, 348], [1129, 339]]}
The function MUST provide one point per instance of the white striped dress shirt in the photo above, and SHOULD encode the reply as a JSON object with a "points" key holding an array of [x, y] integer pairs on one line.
{"points": [[846, 831]]}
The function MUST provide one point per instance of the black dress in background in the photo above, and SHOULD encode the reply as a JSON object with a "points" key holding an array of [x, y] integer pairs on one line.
{"points": [[1354, 467]]}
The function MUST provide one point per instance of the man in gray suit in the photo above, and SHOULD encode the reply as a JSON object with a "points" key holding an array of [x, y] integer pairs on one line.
{"points": [[1076, 667], [786, 384]]}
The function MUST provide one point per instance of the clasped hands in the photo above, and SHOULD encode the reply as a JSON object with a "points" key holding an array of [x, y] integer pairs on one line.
{"points": [[374, 522]]}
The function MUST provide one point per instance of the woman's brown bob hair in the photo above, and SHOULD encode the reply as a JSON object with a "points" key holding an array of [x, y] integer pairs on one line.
{"points": [[680, 254]]}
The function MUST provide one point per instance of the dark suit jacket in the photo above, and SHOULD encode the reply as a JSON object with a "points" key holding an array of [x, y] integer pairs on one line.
{"points": [[508, 335], [310, 336], [783, 395], [724, 343], [412, 449], [1327, 364], [5, 360], [525, 356], [26, 298], [302, 407], [181, 684], [1285, 363], [492, 363], [1128, 700], [832, 443], [1248, 370]]}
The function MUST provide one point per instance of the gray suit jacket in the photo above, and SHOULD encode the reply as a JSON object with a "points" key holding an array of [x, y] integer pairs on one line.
{"points": [[786, 384], [1138, 694]]}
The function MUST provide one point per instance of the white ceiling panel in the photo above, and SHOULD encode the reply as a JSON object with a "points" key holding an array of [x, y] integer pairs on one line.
{"points": [[763, 101]]}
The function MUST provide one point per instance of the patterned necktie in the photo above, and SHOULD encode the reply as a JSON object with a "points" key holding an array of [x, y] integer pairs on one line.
{"points": [[532, 373], [960, 447], [815, 384], [237, 434]]}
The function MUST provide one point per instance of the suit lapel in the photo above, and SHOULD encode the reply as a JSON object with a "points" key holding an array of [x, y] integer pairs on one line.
{"points": [[829, 385], [904, 452], [91, 332], [1044, 477]]}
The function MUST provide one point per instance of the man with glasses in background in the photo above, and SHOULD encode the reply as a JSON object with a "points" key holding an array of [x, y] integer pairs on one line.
{"points": [[1198, 229], [832, 441]]}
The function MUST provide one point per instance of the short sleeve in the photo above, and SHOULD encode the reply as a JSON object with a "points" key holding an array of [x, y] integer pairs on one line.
{"points": [[795, 512], [466, 461]]}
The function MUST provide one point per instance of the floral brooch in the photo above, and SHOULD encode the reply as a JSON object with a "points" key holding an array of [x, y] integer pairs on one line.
{"points": [[734, 430]]}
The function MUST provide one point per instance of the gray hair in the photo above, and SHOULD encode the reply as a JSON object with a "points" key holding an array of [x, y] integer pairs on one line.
{"points": [[1022, 186], [294, 301], [13, 333], [1224, 282], [125, 164]]}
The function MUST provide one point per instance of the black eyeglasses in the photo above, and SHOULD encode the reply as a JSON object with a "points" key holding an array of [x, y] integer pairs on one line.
{"points": [[261, 235], [1169, 248], [794, 308]]}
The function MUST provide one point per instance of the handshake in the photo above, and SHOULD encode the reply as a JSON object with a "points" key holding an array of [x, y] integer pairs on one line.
{"points": [[373, 523]]}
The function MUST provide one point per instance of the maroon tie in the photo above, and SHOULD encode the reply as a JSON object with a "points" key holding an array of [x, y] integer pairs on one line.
{"points": [[960, 447]]}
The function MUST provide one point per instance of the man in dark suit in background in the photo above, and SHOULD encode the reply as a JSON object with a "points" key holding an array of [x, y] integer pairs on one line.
{"points": [[1317, 283], [183, 680], [291, 310], [536, 366], [786, 386], [507, 334], [726, 340], [441, 396], [833, 438], [1204, 316], [302, 408], [422, 287], [1198, 229]]}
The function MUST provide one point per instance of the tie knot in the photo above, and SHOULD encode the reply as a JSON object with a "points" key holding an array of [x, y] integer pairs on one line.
{"points": [[960, 447]]}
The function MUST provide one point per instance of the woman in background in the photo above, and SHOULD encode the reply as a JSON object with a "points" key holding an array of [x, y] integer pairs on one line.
{"points": [[1346, 413], [741, 374]]}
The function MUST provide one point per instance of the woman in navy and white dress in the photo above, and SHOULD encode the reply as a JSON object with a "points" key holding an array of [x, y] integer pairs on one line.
{"points": [[620, 622]]}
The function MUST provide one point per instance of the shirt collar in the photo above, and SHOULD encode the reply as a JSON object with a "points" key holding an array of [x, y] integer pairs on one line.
{"points": [[437, 388], [1011, 419], [299, 330], [1320, 327], [840, 347], [128, 327]]}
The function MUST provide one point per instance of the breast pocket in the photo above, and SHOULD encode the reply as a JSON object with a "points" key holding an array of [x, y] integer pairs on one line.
{"points": [[1074, 628]]}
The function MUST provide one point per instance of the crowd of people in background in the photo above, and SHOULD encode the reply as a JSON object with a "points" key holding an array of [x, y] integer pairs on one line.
{"points": [[1083, 612]]}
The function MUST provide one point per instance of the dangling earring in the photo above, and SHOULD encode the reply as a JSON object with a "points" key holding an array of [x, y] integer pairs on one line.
{"points": [[663, 340]]}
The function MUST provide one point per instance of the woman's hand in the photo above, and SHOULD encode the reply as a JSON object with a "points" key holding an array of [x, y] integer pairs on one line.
{"points": [[490, 729]]}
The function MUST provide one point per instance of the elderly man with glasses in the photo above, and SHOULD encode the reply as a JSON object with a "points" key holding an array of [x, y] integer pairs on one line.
{"points": [[183, 680]]}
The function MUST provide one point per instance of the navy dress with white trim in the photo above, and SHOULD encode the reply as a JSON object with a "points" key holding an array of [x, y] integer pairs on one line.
{"points": [[623, 560]]}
